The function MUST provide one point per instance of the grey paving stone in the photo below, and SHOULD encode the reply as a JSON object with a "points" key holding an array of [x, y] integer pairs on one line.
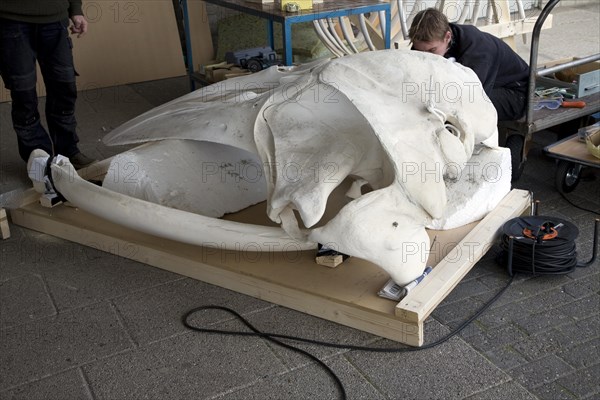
{"points": [[12, 255], [65, 386], [34, 251], [465, 289], [534, 323], [582, 355], [86, 277], [54, 344], [573, 212], [582, 308], [473, 328], [583, 382], [495, 338], [188, 366], [582, 330], [553, 391], [543, 343], [33, 300], [584, 253], [451, 370], [508, 390], [458, 311], [497, 281], [545, 301], [499, 316], [435, 331], [310, 382], [541, 371], [285, 321], [505, 357], [584, 287], [155, 313]]}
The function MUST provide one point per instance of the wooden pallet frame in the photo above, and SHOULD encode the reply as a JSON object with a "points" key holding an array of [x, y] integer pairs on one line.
{"points": [[346, 294]]}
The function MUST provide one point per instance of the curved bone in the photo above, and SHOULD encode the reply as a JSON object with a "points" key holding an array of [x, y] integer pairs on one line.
{"points": [[166, 222], [347, 35], [365, 32], [403, 22], [327, 41], [339, 41]]}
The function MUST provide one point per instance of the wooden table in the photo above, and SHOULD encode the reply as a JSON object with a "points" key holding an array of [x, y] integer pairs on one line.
{"points": [[272, 13]]}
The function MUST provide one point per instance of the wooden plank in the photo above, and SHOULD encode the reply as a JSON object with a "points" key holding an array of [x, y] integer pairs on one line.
{"points": [[422, 300], [202, 45], [4, 228]]}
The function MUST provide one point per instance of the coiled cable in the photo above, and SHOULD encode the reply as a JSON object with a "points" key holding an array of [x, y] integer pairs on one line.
{"points": [[542, 245]]}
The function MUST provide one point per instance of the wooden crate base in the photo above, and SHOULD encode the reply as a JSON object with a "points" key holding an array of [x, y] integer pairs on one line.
{"points": [[346, 294]]}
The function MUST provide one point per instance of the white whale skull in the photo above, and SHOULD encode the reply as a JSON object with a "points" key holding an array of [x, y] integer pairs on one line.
{"points": [[404, 122]]}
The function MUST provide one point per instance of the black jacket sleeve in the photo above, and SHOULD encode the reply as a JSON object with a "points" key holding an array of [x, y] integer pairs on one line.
{"points": [[494, 62]]}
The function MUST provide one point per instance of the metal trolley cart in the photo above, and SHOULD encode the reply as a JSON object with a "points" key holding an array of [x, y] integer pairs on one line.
{"points": [[572, 156], [518, 133]]}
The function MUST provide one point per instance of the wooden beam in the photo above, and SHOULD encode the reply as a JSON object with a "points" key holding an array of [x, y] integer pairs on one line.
{"points": [[4, 228], [422, 300]]}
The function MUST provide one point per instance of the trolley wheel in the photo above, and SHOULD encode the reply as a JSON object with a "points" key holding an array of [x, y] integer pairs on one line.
{"points": [[568, 175], [515, 143]]}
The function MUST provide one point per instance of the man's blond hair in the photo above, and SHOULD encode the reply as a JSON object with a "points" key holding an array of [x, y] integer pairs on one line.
{"points": [[428, 25]]}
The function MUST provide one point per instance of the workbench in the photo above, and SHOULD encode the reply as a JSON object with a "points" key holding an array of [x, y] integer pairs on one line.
{"points": [[272, 13]]}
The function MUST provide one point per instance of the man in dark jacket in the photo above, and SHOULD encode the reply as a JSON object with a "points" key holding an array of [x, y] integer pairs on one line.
{"points": [[502, 72], [33, 30]]}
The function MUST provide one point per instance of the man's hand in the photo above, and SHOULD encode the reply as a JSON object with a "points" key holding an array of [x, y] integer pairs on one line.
{"points": [[80, 25]]}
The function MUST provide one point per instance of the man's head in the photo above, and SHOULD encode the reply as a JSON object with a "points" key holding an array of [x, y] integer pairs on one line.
{"points": [[430, 32]]}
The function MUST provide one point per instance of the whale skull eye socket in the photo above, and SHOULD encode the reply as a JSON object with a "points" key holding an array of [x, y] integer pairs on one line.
{"points": [[453, 129]]}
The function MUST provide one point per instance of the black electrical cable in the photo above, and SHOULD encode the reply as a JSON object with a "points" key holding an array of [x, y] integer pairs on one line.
{"points": [[578, 206], [274, 336]]}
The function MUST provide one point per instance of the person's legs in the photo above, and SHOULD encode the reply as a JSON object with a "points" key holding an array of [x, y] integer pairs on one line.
{"points": [[56, 63], [17, 67], [509, 103]]}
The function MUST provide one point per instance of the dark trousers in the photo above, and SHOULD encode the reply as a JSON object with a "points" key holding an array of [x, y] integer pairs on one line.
{"points": [[509, 102], [21, 44]]}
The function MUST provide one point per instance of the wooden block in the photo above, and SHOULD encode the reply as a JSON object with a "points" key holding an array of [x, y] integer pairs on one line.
{"points": [[330, 261], [50, 201], [329, 257], [4, 228]]}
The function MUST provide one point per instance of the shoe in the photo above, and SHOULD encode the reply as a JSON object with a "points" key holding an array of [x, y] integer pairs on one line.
{"points": [[80, 160]]}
